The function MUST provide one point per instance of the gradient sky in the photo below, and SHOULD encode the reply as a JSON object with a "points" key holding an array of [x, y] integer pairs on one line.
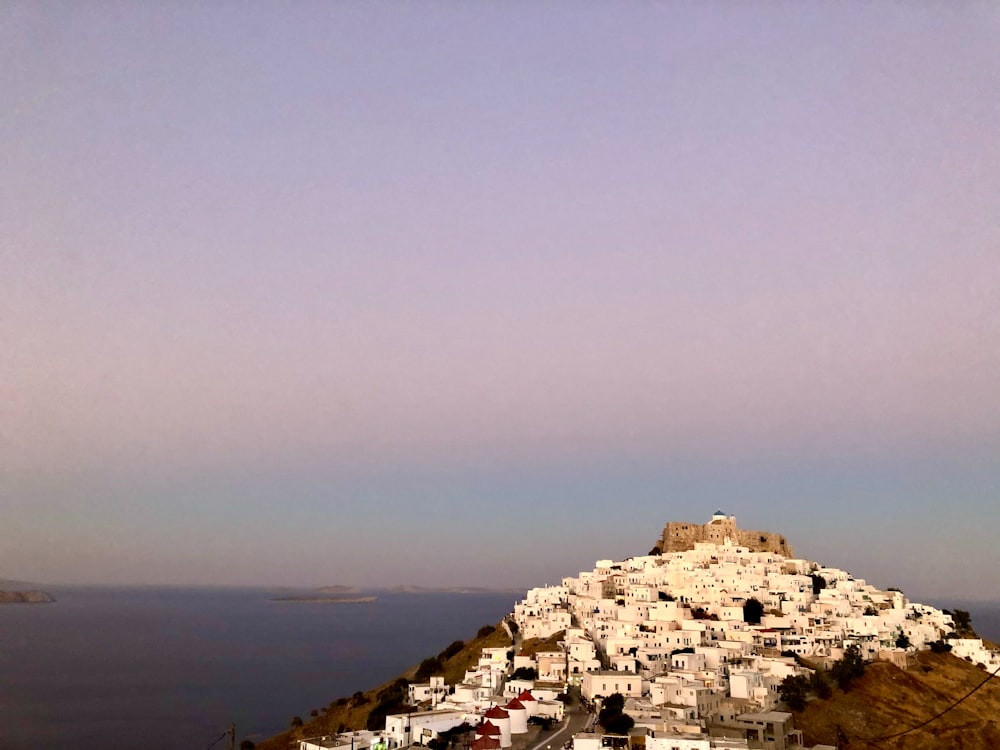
{"points": [[478, 293]]}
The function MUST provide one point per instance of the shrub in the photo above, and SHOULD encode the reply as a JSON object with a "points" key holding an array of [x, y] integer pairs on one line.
{"points": [[485, 630], [940, 647], [451, 650], [296, 721], [524, 673]]}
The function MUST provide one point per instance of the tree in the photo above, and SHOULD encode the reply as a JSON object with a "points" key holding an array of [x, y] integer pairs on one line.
{"points": [[612, 717], [453, 648], [846, 670], [819, 583], [618, 724], [656, 550], [793, 690], [614, 702], [752, 611], [485, 630], [296, 721], [428, 667], [963, 624], [940, 647], [524, 673], [902, 641]]}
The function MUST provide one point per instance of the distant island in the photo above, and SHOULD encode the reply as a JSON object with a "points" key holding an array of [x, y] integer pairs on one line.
{"points": [[314, 599], [339, 589], [26, 597], [328, 595], [409, 589]]}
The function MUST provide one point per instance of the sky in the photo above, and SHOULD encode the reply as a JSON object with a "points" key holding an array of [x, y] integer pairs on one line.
{"points": [[479, 293]]}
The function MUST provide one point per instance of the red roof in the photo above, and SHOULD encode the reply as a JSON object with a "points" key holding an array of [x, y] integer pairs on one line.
{"points": [[526, 696], [488, 727], [497, 713], [515, 705], [486, 743]]}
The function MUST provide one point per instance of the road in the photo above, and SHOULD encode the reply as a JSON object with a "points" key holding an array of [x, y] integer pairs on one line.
{"points": [[576, 720]]}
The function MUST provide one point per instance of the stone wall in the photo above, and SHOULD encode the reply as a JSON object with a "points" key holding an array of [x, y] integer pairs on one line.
{"points": [[679, 536]]}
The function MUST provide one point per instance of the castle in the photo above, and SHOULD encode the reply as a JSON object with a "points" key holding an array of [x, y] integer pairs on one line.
{"points": [[679, 536]]}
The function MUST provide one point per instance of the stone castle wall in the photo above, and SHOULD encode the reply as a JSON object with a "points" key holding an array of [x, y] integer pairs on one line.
{"points": [[679, 536]]}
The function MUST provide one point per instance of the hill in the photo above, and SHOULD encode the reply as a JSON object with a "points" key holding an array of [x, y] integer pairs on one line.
{"points": [[888, 700]]}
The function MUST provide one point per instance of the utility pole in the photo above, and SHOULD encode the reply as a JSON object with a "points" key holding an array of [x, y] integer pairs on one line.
{"points": [[232, 736]]}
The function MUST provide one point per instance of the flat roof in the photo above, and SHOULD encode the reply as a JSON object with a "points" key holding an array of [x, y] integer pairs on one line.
{"points": [[766, 716]]}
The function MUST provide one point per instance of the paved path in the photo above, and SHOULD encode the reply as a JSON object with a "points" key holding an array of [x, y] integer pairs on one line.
{"points": [[575, 720]]}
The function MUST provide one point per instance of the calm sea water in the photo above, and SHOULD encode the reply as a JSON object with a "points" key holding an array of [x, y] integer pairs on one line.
{"points": [[171, 668]]}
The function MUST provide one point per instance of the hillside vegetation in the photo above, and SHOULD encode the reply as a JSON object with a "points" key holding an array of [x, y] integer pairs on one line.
{"points": [[355, 712], [887, 700]]}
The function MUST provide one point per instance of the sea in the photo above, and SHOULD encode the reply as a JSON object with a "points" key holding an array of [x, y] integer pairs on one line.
{"points": [[171, 668]]}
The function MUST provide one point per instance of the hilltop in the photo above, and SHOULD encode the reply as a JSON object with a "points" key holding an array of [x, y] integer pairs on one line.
{"points": [[716, 644]]}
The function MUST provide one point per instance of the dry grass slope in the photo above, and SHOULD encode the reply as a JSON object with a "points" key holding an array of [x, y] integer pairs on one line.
{"points": [[532, 646], [887, 700]]}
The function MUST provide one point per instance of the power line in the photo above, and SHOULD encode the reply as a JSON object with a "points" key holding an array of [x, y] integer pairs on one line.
{"points": [[883, 738], [231, 732]]}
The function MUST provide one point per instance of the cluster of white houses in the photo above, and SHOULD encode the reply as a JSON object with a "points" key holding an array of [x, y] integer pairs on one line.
{"points": [[668, 633]]}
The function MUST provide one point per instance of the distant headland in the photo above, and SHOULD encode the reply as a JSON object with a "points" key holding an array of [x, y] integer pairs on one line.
{"points": [[26, 597]]}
